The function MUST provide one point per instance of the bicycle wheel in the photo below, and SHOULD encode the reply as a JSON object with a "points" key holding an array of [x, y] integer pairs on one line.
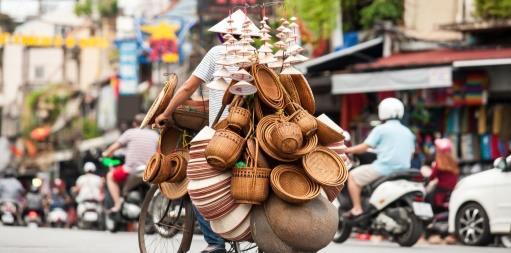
{"points": [[165, 225], [243, 247]]}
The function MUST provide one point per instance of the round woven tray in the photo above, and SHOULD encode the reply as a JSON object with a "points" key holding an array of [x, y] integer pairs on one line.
{"points": [[306, 96], [292, 185], [325, 167], [268, 86]]}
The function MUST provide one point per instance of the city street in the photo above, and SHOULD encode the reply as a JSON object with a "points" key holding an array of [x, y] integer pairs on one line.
{"points": [[44, 240]]}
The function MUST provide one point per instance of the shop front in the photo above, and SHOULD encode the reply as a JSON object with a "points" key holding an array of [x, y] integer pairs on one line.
{"points": [[463, 95]]}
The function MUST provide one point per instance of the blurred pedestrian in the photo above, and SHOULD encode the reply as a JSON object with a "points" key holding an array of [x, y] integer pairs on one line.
{"points": [[140, 145], [11, 188]]}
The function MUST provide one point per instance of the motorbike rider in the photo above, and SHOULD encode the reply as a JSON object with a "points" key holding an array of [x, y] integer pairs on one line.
{"points": [[140, 145], [35, 202], [10, 187], [89, 185], [203, 73], [394, 144]]}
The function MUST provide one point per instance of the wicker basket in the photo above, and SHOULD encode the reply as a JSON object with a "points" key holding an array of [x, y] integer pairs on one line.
{"points": [[179, 163], [304, 120], [251, 185], [287, 137], [152, 168], [224, 149], [192, 115], [238, 117], [292, 185], [325, 167]]}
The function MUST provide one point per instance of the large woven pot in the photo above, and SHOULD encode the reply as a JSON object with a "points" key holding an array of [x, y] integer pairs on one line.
{"points": [[308, 227]]}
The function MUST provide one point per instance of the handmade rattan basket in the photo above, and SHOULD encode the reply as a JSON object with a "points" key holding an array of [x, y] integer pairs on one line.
{"points": [[292, 185], [238, 117], [152, 168], [179, 163], [224, 149], [307, 123], [268, 86], [286, 137], [325, 167], [251, 184]]}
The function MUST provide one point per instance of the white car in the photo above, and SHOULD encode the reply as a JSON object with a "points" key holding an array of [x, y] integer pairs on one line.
{"points": [[480, 206]]}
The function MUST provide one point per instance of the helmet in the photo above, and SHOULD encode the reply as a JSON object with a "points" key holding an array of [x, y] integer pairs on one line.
{"points": [[58, 183], [443, 145], [391, 108], [89, 167]]}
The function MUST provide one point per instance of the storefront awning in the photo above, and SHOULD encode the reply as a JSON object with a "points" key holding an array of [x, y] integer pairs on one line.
{"points": [[360, 53], [434, 58], [409, 79]]}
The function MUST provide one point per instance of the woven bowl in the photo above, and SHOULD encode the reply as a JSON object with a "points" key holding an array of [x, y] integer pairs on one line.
{"points": [[325, 167], [268, 86], [292, 185], [238, 117], [305, 121]]}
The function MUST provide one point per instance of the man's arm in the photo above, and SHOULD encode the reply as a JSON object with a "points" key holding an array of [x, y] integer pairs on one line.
{"points": [[188, 88], [358, 149], [111, 150]]}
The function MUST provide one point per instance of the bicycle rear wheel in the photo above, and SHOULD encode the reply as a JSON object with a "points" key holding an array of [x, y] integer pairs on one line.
{"points": [[165, 226]]}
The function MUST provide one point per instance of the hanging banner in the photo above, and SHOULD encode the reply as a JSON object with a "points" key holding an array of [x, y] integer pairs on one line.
{"points": [[47, 41], [128, 66]]}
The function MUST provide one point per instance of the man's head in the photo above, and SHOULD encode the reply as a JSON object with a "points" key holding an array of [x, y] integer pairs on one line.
{"points": [[89, 167], [391, 108], [137, 121]]}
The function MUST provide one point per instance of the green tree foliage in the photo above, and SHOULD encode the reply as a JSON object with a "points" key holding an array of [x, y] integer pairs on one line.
{"points": [[380, 10], [106, 8], [84, 8], [493, 9], [318, 15]]}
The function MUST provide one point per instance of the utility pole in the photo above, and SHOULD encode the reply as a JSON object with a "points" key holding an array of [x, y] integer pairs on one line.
{"points": [[40, 7]]}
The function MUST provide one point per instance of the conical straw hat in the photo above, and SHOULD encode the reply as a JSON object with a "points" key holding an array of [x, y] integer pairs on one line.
{"points": [[237, 18]]}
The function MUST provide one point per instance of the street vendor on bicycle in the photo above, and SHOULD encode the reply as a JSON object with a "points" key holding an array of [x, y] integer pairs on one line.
{"points": [[203, 73]]}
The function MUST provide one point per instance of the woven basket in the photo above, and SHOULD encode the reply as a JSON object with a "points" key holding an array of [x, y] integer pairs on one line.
{"points": [[251, 185], [192, 115], [268, 86], [238, 117], [224, 149], [262, 161], [304, 120], [289, 87], [292, 185], [152, 168], [304, 90], [179, 163], [325, 167], [287, 137]]}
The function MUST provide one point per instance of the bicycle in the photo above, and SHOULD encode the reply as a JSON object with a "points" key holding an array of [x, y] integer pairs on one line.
{"points": [[168, 226]]}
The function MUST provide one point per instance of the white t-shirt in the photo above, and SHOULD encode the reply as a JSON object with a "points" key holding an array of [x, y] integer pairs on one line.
{"points": [[204, 71], [90, 187]]}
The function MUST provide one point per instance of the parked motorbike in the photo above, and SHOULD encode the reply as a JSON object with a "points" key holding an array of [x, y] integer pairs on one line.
{"points": [[33, 219], [393, 207], [132, 198], [9, 213], [90, 214], [57, 217]]}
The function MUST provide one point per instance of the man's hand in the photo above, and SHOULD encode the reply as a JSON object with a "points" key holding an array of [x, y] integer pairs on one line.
{"points": [[163, 120]]}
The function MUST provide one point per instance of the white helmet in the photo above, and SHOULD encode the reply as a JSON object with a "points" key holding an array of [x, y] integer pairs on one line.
{"points": [[391, 108], [89, 167]]}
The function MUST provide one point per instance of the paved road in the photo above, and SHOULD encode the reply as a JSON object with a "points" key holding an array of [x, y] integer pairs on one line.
{"points": [[44, 240]]}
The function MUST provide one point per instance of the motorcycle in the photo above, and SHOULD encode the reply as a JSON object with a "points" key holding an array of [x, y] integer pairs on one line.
{"points": [[90, 214], [9, 211], [393, 206], [132, 198], [57, 217], [33, 219]]}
